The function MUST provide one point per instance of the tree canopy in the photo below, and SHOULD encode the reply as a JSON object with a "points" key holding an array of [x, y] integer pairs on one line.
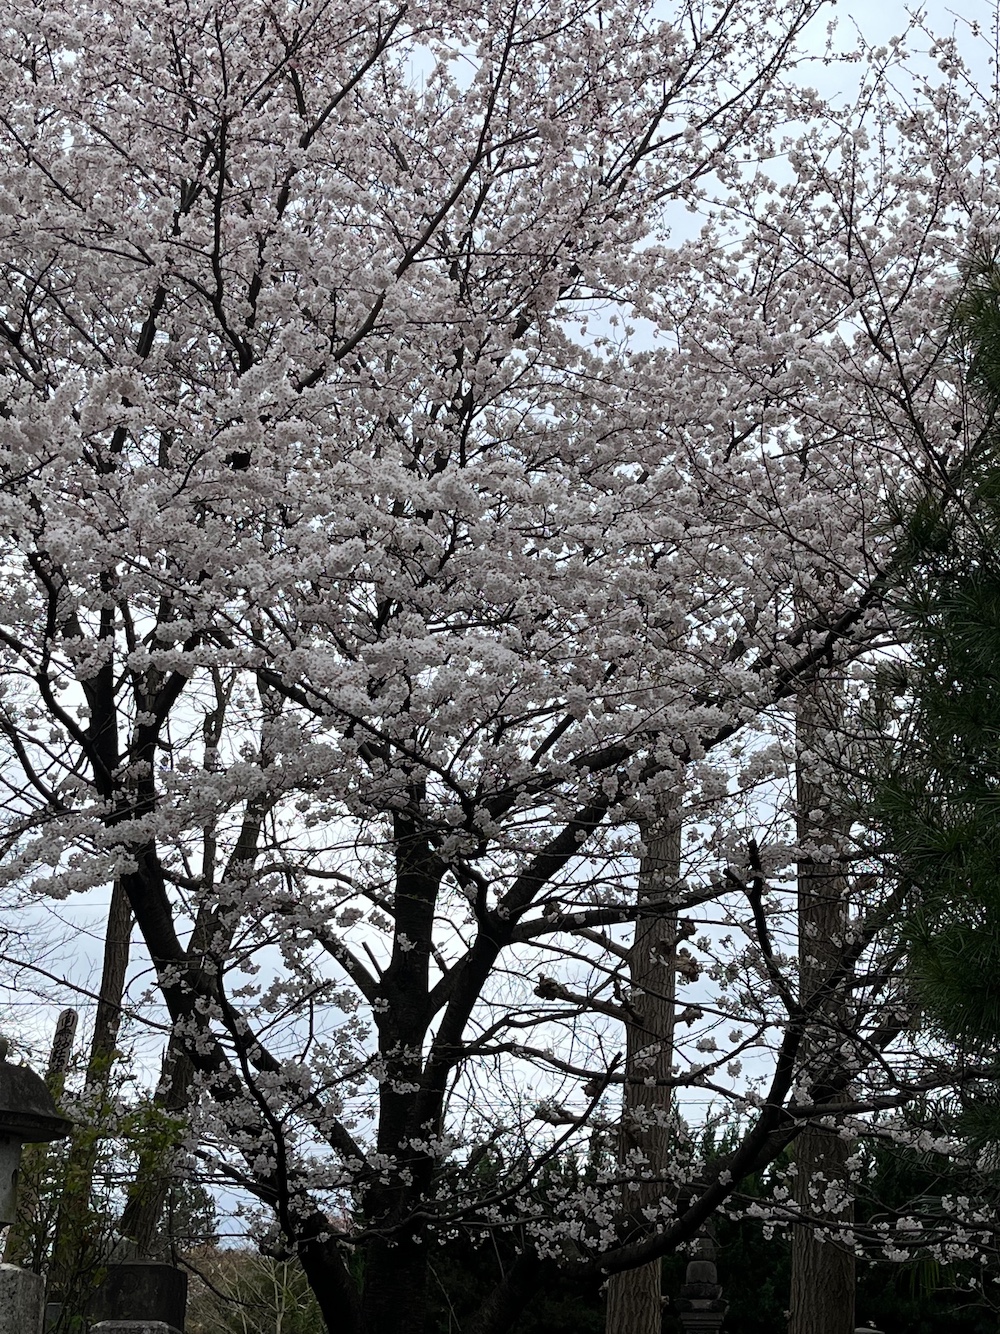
{"points": [[369, 581]]}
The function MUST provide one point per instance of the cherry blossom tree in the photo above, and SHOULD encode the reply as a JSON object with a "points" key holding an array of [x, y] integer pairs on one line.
{"points": [[368, 583]]}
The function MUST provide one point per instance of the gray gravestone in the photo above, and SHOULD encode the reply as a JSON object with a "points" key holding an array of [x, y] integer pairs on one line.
{"points": [[22, 1301], [139, 1291]]}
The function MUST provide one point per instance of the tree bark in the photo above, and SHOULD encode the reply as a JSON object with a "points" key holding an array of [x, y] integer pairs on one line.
{"points": [[211, 939], [148, 1193], [68, 1258], [634, 1297], [823, 1272], [108, 1018]]}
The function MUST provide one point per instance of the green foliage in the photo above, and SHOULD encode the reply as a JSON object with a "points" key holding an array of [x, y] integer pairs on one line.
{"points": [[976, 322], [920, 1296], [71, 1194], [939, 799]]}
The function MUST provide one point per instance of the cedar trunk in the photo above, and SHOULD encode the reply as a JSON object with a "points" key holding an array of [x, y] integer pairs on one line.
{"points": [[823, 1272], [73, 1256], [634, 1301]]}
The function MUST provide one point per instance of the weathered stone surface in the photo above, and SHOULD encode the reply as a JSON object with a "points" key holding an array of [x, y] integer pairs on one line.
{"points": [[143, 1291], [133, 1327], [699, 1305], [27, 1115], [701, 1291], [22, 1301], [701, 1271], [27, 1111]]}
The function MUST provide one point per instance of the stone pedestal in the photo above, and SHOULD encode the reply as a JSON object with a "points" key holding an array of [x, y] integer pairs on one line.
{"points": [[132, 1327], [22, 1301]]}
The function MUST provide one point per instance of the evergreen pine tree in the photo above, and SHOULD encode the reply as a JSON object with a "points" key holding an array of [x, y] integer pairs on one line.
{"points": [[940, 795]]}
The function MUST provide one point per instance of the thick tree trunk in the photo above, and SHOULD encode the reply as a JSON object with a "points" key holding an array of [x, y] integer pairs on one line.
{"points": [[634, 1300], [394, 1300], [501, 1308], [148, 1192], [823, 1272], [399, 1265]]}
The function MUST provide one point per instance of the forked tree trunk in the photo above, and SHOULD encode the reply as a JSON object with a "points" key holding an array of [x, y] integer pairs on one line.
{"points": [[211, 937], [634, 1298], [823, 1272]]}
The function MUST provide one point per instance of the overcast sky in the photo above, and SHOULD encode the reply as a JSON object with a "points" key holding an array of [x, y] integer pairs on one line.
{"points": [[878, 20]]}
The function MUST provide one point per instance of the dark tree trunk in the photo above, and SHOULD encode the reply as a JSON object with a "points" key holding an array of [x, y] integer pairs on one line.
{"points": [[395, 1288], [211, 938], [823, 1272], [72, 1253], [501, 1308], [634, 1298]]}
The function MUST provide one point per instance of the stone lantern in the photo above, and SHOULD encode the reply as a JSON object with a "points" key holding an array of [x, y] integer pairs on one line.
{"points": [[28, 1115], [699, 1305]]}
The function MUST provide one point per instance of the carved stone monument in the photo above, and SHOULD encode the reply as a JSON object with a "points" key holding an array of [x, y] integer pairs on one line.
{"points": [[139, 1297], [699, 1305]]}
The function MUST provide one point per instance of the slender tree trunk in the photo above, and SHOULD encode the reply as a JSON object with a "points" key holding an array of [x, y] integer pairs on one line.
{"points": [[148, 1192], [823, 1273], [72, 1250], [634, 1300], [108, 1019], [74, 1207]]}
